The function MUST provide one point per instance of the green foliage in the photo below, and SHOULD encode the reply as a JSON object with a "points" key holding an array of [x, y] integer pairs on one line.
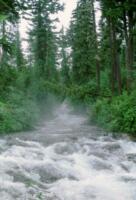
{"points": [[18, 113], [24, 98], [95, 65], [118, 115], [25, 87], [82, 41], [105, 90], [83, 93], [3, 17], [18, 109], [114, 44], [43, 38], [64, 57]]}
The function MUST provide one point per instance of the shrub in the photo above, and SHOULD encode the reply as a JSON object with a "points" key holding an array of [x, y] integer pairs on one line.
{"points": [[117, 115], [17, 113], [83, 93]]}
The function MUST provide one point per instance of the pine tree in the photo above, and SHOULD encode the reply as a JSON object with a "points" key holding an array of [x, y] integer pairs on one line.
{"points": [[118, 16], [19, 58], [83, 42], [9, 14], [112, 21], [43, 38], [65, 65]]}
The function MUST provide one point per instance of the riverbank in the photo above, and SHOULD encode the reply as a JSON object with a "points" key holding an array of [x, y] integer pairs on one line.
{"points": [[116, 114]]}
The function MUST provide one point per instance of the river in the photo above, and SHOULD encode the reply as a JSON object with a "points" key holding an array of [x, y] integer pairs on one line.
{"points": [[67, 159]]}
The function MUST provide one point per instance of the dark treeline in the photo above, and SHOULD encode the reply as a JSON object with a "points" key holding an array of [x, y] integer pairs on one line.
{"points": [[97, 59]]}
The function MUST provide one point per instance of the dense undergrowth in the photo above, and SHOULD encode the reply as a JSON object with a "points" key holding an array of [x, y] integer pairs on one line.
{"points": [[18, 110], [24, 100], [117, 114], [17, 114]]}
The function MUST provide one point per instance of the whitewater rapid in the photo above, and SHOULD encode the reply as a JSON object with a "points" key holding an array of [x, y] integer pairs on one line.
{"points": [[67, 159]]}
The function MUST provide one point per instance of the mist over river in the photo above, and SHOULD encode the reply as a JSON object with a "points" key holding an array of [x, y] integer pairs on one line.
{"points": [[67, 159]]}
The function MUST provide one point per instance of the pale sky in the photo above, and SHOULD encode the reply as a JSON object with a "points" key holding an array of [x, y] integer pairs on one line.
{"points": [[65, 16]]}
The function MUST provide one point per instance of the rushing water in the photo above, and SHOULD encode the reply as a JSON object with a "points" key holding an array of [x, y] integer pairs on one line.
{"points": [[66, 159]]}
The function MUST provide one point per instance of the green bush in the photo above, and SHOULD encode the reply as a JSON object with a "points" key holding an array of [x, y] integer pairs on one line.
{"points": [[24, 97], [83, 93], [17, 113], [99, 112], [118, 115]]}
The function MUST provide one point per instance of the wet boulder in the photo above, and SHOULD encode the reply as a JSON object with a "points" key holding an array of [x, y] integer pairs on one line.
{"points": [[112, 146], [131, 157]]}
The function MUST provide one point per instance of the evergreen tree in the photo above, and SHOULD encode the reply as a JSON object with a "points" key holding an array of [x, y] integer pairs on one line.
{"points": [[83, 43], [118, 25], [19, 58], [9, 14], [65, 65], [43, 38]]}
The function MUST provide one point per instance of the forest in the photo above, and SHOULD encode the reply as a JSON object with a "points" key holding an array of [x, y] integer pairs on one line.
{"points": [[91, 63]]}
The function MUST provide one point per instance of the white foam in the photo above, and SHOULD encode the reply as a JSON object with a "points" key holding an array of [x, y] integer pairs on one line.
{"points": [[81, 169]]}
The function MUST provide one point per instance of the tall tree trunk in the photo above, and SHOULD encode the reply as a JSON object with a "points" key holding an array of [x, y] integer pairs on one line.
{"points": [[128, 30], [97, 60], [116, 73], [3, 46], [126, 49], [130, 49], [113, 77]]}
